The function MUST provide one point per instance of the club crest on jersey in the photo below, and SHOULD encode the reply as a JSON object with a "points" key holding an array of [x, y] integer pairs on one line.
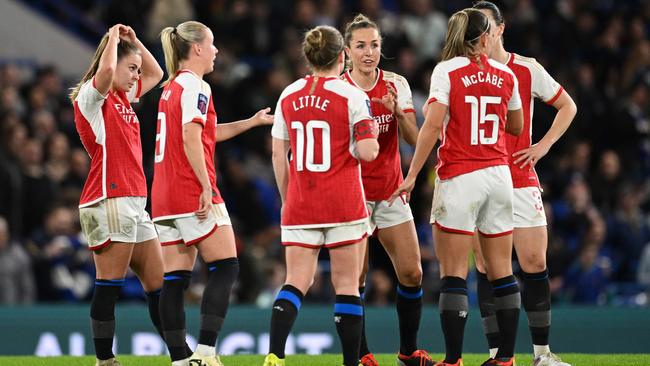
{"points": [[203, 103]]}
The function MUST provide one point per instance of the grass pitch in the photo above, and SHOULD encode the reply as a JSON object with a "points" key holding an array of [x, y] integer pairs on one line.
{"points": [[575, 359]]}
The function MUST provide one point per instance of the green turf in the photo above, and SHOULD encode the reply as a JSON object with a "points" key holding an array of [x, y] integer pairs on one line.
{"points": [[576, 359]]}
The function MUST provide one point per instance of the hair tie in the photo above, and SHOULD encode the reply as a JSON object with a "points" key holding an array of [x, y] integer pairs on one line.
{"points": [[174, 31]]}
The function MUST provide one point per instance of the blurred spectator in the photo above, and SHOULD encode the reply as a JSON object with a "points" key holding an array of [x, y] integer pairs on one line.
{"points": [[628, 233], [607, 182], [425, 28], [16, 279], [62, 263], [37, 188]]}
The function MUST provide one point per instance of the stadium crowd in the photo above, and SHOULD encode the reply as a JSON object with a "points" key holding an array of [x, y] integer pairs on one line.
{"points": [[595, 180]]}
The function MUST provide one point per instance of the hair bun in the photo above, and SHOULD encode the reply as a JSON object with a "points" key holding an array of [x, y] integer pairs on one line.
{"points": [[315, 39]]}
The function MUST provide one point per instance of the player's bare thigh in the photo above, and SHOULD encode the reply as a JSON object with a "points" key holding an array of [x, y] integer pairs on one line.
{"points": [[344, 264], [178, 257], [219, 245], [401, 244], [497, 255], [147, 263], [301, 266], [531, 244], [112, 261], [452, 250]]}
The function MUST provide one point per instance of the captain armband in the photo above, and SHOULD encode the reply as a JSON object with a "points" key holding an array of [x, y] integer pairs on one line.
{"points": [[366, 129]]}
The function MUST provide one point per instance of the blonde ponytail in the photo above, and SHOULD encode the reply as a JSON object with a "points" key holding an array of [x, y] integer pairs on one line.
{"points": [[177, 42], [464, 30]]}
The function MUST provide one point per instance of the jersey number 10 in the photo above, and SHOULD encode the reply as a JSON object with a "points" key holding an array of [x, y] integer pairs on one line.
{"points": [[301, 151], [477, 136]]}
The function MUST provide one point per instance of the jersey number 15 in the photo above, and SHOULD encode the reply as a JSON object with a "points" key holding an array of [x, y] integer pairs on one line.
{"points": [[479, 116]]}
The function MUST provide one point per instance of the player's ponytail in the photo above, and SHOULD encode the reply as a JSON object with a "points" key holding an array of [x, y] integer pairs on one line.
{"points": [[322, 46], [464, 30], [123, 48], [176, 43]]}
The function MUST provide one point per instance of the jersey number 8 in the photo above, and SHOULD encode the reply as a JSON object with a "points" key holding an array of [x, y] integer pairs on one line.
{"points": [[478, 136], [301, 162]]}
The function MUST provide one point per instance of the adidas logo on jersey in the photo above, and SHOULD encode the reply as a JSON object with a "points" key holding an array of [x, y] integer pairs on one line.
{"points": [[278, 308], [337, 319]]}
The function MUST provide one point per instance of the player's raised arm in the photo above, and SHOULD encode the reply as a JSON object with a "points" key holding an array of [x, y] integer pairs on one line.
{"points": [[151, 72]]}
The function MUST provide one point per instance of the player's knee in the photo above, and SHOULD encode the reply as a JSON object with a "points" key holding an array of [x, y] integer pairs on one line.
{"points": [[533, 262], [411, 276], [152, 282]]}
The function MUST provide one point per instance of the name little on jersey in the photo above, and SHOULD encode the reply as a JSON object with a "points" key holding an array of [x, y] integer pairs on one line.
{"points": [[482, 77], [317, 102]]}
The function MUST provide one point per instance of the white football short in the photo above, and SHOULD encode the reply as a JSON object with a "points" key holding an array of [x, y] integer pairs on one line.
{"points": [[119, 219], [481, 200], [382, 215], [329, 237], [528, 207], [189, 230]]}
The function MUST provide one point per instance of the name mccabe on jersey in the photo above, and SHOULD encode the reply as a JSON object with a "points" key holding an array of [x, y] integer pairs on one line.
{"points": [[482, 77]]}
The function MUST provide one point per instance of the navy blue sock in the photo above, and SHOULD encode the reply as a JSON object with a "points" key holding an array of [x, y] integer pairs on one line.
{"points": [[285, 310], [507, 301], [363, 348], [102, 316], [172, 313], [488, 312], [536, 298], [348, 316], [216, 297], [453, 308], [409, 312], [153, 302]]}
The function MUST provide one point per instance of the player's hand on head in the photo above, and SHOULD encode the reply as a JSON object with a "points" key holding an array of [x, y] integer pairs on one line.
{"points": [[262, 117], [115, 31], [127, 33]]}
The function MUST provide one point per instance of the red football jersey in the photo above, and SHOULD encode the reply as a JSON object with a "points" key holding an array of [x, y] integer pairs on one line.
{"points": [[110, 132], [478, 100], [382, 176], [318, 115], [176, 189], [534, 82]]}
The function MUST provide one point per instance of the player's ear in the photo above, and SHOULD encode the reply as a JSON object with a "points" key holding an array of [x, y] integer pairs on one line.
{"points": [[500, 29], [196, 48]]}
